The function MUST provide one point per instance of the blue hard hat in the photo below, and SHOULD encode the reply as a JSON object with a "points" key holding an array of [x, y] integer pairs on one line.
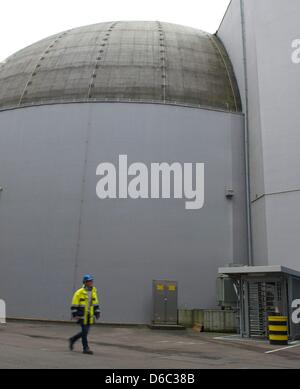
{"points": [[87, 278]]}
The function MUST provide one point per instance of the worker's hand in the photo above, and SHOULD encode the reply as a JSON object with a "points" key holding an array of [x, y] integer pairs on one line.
{"points": [[97, 315]]}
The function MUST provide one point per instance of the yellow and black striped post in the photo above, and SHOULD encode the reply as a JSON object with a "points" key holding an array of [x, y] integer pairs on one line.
{"points": [[278, 330]]}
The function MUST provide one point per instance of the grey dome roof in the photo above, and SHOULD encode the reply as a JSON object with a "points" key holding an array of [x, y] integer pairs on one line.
{"points": [[122, 61]]}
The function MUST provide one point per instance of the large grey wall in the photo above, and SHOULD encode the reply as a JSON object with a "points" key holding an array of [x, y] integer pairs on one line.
{"points": [[278, 22], [53, 227], [274, 138]]}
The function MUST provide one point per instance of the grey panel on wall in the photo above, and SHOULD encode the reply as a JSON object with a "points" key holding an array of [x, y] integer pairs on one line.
{"points": [[53, 227]]}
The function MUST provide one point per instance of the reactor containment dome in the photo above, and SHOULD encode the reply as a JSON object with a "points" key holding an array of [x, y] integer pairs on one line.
{"points": [[122, 61], [89, 119]]}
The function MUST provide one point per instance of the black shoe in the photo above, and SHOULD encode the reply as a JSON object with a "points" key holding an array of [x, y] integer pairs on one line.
{"points": [[71, 344], [88, 351]]}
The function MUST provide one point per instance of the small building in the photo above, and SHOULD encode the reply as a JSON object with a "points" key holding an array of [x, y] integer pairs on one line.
{"points": [[266, 291]]}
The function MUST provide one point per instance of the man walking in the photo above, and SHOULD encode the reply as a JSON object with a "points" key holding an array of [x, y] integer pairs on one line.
{"points": [[85, 306]]}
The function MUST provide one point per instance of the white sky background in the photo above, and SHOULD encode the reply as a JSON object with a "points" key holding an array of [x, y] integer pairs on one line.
{"points": [[23, 22]]}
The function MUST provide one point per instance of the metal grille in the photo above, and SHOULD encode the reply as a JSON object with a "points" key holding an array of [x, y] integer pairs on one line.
{"points": [[264, 299]]}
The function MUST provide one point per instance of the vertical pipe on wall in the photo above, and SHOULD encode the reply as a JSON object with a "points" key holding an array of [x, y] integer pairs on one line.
{"points": [[247, 159]]}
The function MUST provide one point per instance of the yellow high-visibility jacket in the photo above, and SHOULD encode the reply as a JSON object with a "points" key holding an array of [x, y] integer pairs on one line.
{"points": [[80, 304]]}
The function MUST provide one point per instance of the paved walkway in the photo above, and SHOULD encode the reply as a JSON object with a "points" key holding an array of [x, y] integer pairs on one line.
{"points": [[35, 345]]}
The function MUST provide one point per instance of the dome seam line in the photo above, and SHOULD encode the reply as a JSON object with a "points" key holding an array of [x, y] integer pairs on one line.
{"points": [[38, 64], [100, 55], [227, 70]]}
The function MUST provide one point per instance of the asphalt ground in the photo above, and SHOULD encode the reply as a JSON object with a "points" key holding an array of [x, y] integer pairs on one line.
{"points": [[28, 345]]}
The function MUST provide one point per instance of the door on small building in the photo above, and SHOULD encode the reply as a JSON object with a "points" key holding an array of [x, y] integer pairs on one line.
{"points": [[165, 302]]}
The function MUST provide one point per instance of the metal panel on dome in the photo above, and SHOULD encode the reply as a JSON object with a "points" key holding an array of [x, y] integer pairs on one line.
{"points": [[127, 61]]}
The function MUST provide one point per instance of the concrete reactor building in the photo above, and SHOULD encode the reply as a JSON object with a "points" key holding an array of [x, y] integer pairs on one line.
{"points": [[140, 151]]}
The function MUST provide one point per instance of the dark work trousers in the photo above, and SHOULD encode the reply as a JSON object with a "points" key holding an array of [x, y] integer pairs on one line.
{"points": [[83, 334]]}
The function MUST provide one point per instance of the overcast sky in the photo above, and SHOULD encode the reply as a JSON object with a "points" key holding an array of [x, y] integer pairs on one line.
{"points": [[23, 22]]}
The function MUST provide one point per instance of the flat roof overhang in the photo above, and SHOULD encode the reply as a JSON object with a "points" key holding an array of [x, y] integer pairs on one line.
{"points": [[258, 270]]}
